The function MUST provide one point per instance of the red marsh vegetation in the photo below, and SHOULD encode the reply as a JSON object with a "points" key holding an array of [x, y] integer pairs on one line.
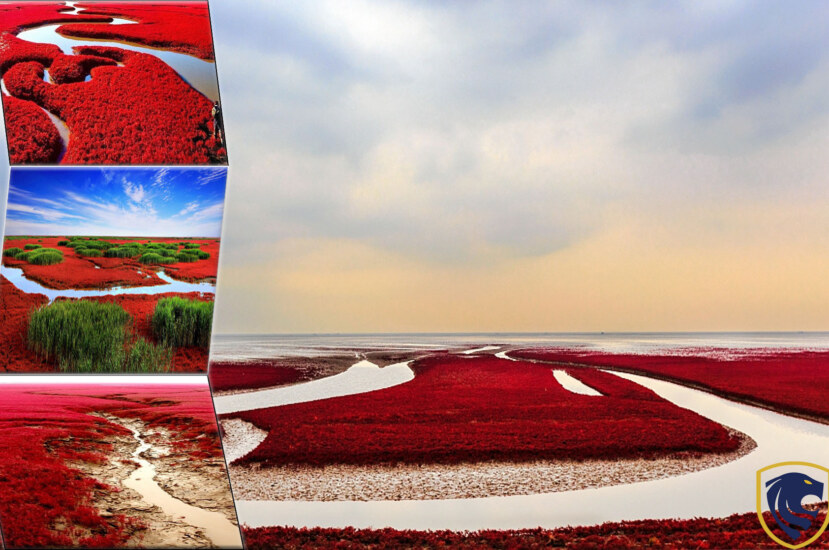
{"points": [[179, 26], [483, 408], [135, 109], [737, 531], [784, 380], [226, 376], [41, 143], [268, 373], [47, 432]]}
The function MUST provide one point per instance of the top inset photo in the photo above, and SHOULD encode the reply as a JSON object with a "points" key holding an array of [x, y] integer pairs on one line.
{"points": [[129, 83]]}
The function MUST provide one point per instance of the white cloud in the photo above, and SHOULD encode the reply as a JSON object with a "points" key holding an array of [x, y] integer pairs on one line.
{"points": [[190, 207], [135, 192]]}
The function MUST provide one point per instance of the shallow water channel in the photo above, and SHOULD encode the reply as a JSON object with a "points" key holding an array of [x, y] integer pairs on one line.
{"points": [[220, 530], [17, 278], [200, 74], [715, 492], [361, 377]]}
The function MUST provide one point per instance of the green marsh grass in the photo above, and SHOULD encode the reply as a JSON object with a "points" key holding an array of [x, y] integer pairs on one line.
{"points": [[87, 336], [178, 322], [144, 356], [123, 252], [187, 258], [45, 256], [146, 252], [151, 258], [13, 252]]}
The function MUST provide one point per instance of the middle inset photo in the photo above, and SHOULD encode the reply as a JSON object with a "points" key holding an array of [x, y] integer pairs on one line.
{"points": [[110, 269]]}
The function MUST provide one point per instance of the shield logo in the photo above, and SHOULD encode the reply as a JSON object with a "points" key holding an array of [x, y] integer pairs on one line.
{"points": [[781, 491]]}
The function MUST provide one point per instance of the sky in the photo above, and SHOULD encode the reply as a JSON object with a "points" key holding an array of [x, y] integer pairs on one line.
{"points": [[142, 202], [572, 166]]}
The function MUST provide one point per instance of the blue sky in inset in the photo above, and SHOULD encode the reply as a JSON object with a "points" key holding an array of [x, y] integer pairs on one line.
{"points": [[153, 202]]}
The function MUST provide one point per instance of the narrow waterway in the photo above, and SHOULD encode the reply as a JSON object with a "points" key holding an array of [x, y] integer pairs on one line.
{"points": [[479, 350], [574, 385], [215, 525], [363, 376], [715, 492], [17, 278], [200, 74]]}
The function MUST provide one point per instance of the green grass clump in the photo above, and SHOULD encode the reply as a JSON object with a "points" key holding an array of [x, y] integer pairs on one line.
{"points": [[87, 336], [96, 245], [187, 258], [42, 256], [144, 356], [13, 252], [123, 252], [151, 258], [146, 252], [178, 322]]}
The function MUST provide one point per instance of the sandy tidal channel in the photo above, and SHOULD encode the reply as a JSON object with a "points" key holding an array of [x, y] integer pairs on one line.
{"points": [[221, 532], [169, 520]]}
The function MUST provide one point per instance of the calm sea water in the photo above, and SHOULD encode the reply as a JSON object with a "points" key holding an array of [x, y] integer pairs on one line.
{"points": [[240, 347]]}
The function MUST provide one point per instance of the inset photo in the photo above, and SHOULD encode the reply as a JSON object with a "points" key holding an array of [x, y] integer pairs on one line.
{"points": [[110, 269], [112, 462], [110, 83]]}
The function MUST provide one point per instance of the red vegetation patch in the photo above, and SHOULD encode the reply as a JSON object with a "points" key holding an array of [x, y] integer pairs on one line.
{"points": [[483, 408], [180, 26], [281, 371], [75, 68], [737, 531], [40, 142], [14, 319], [788, 381], [138, 113], [18, 16], [45, 428], [252, 374], [202, 270]]}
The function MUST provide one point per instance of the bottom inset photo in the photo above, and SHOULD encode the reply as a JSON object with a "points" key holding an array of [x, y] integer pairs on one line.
{"points": [[112, 461]]}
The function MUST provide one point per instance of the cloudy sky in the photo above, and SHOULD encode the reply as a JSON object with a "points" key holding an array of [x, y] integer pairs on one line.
{"points": [[137, 202], [493, 166]]}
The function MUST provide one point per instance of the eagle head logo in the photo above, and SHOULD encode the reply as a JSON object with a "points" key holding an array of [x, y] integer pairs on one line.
{"points": [[784, 494]]}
